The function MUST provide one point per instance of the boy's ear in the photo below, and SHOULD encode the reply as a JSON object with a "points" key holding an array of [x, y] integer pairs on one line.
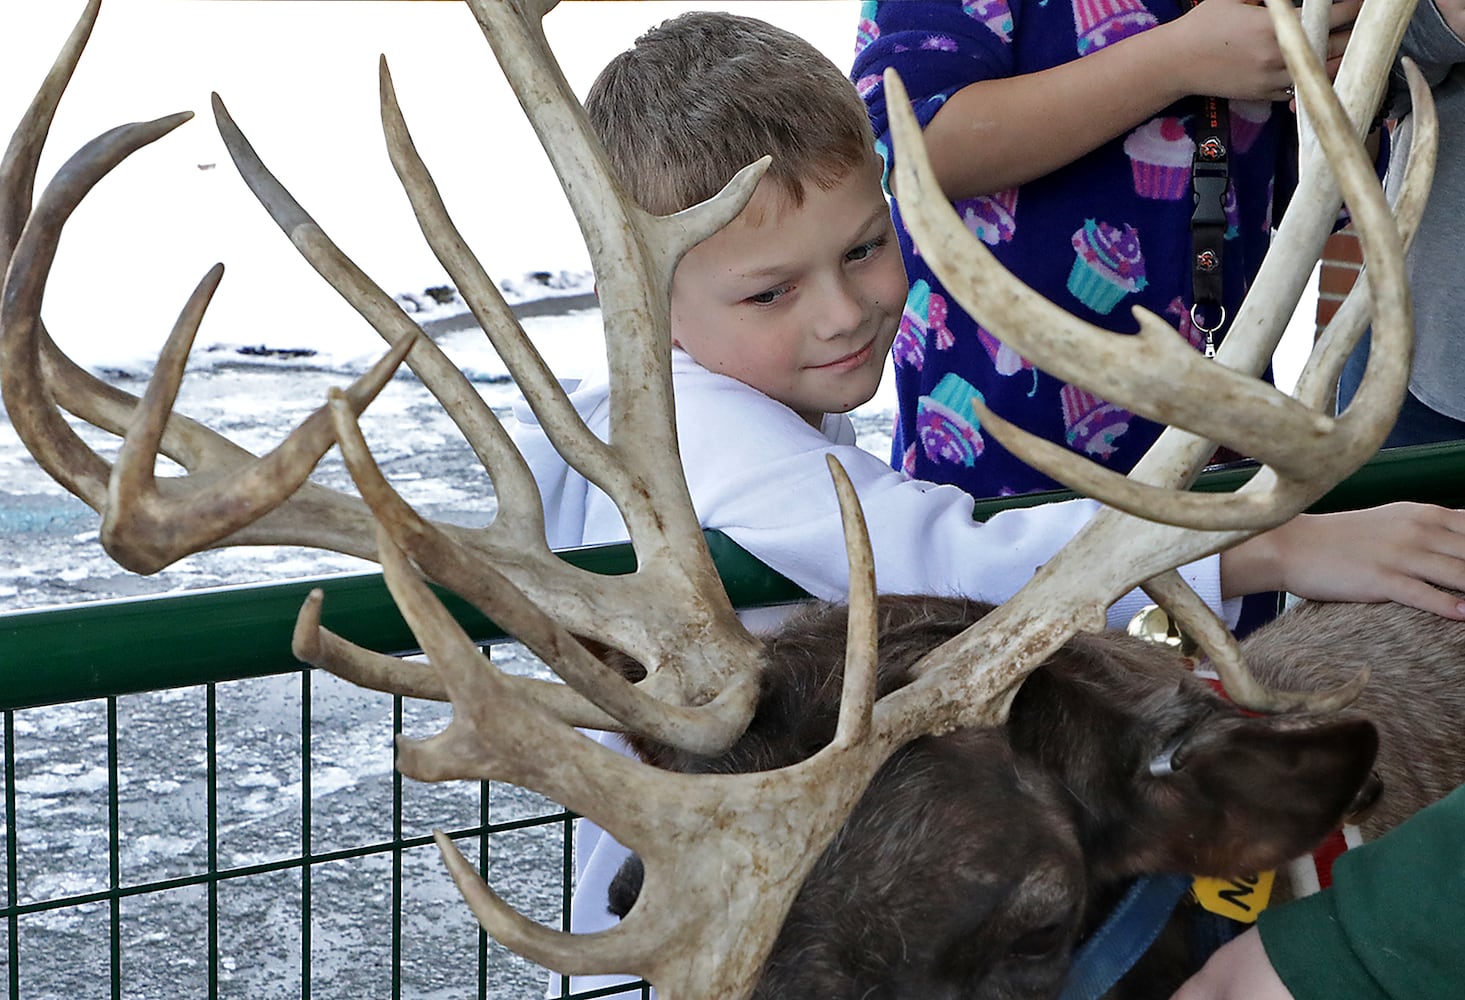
{"points": [[1244, 795]]}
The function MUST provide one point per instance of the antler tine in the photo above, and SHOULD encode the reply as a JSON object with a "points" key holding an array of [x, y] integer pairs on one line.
{"points": [[698, 930], [320, 647], [712, 657], [523, 516], [1362, 428], [861, 646], [635, 254], [1318, 381], [23, 154], [704, 729], [46, 433], [1312, 209], [147, 524], [1223, 655]]}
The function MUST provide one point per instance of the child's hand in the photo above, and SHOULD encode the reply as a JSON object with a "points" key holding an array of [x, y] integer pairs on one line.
{"points": [[1228, 48], [1240, 970], [1340, 29], [1401, 552]]}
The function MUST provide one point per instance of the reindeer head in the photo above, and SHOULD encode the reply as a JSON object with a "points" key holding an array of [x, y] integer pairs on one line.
{"points": [[701, 928], [975, 861]]}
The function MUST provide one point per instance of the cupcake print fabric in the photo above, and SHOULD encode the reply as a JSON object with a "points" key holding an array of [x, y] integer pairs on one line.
{"points": [[1098, 237]]}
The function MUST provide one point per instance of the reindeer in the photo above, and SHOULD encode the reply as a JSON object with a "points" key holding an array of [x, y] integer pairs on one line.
{"points": [[920, 687], [977, 860]]}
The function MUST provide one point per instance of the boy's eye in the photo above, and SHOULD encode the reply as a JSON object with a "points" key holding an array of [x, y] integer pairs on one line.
{"points": [[768, 297], [865, 249]]}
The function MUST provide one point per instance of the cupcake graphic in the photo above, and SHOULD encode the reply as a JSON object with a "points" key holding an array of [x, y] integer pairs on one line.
{"points": [[922, 324], [992, 217], [909, 349], [1247, 119], [995, 14], [947, 425], [1160, 154], [938, 43], [1104, 22], [1108, 265], [1092, 425], [908, 461]]}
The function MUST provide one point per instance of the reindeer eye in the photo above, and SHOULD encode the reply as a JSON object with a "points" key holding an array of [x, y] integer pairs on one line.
{"points": [[1038, 943]]}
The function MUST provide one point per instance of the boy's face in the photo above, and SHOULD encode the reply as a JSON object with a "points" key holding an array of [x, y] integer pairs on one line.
{"points": [[801, 303]]}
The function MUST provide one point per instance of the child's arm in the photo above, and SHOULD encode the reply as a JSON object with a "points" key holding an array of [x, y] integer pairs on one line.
{"points": [[996, 134], [1387, 927], [1240, 970], [758, 473], [1403, 552]]}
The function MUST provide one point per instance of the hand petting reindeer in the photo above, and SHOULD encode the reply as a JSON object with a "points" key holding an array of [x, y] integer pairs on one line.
{"points": [[929, 686]]}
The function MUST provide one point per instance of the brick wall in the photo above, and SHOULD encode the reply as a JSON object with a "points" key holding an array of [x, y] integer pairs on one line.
{"points": [[1342, 260]]}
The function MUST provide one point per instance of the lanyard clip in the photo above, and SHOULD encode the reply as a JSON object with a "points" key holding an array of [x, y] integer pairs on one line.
{"points": [[1210, 196]]}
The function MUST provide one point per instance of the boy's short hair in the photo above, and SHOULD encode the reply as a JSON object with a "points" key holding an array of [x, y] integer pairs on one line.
{"points": [[703, 95]]}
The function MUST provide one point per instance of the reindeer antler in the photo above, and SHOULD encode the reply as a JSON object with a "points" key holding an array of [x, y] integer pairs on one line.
{"points": [[700, 929], [230, 497], [702, 663]]}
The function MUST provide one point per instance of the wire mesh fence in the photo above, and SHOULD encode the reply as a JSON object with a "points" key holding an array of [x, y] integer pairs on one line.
{"points": [[251, 838]]}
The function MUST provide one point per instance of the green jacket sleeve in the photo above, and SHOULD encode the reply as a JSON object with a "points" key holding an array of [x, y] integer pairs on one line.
{"points": [[1393, 923]]}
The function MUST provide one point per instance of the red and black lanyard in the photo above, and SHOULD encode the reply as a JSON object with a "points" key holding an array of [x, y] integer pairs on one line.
{"points": [[1209, 177]]}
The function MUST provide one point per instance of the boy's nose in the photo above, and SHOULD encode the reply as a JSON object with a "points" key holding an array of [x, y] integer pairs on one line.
{"points": [[843, 310]]}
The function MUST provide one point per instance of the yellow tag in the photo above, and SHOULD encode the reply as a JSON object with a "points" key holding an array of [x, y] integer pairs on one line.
{"points": [[1241, 899]]}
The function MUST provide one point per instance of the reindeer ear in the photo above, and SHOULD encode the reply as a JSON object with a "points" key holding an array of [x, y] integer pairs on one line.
{"points": [[1245, 794], [625, 887]]}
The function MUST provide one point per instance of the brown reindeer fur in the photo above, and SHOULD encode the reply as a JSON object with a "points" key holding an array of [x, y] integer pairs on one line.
{"points": [[975, 861], [1415, 695]]}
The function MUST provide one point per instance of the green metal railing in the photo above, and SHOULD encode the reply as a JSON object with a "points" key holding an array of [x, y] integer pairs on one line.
{"points": [[109, 652], [207, 648]]}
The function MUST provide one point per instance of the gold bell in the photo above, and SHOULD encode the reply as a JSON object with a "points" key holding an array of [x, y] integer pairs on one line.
{"points": [[1154, 624]]}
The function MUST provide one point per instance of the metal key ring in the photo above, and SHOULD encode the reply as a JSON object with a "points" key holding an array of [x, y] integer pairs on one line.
{"points": [[1196, 321]]}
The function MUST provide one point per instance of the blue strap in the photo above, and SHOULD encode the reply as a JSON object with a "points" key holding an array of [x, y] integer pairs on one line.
{"points": [[1130, 929]]}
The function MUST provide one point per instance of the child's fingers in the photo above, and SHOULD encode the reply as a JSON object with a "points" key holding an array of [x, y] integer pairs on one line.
{"points": [[1440, 529], [1343, 12], [1438, 569], [1417, 594]]}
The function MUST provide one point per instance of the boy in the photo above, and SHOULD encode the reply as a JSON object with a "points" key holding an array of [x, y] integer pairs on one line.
{"points": [[781, 323]]}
